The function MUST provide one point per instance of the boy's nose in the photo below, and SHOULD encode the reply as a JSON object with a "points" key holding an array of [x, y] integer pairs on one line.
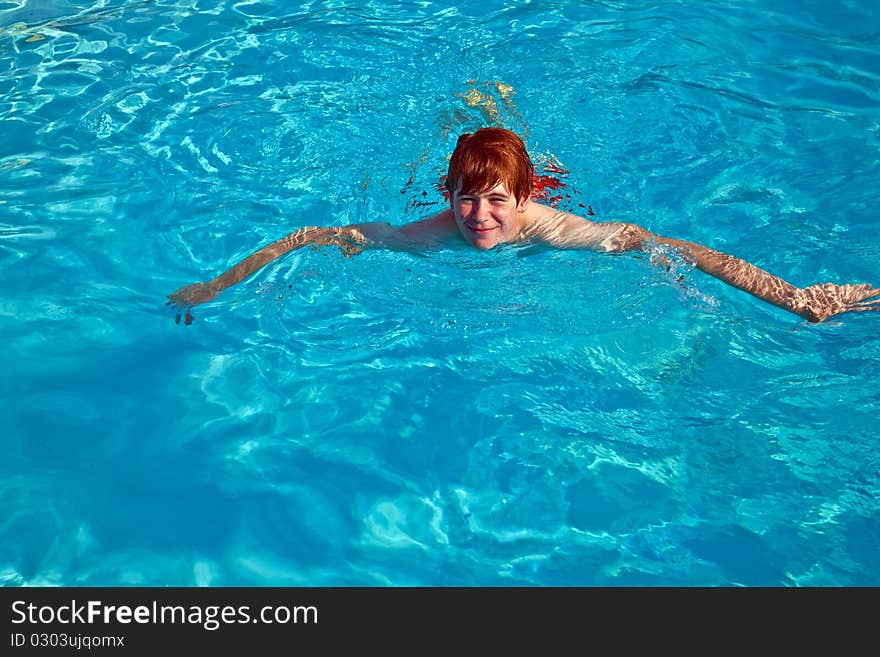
{"points": [[481, 209]]}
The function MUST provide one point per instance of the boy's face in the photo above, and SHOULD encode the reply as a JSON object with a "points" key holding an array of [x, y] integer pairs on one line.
{"points": [[488, 218]]}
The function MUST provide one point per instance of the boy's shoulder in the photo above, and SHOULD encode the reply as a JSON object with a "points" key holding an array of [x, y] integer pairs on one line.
{"points": [[538, 212], [567, 230], [540, 218], [436, 225]]}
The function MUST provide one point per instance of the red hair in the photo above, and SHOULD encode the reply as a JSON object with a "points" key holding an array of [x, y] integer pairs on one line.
{"points": [[488, 157]]}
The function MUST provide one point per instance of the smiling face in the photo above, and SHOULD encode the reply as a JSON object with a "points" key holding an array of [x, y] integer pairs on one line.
{"points": [[489, 181], [486, 219]]}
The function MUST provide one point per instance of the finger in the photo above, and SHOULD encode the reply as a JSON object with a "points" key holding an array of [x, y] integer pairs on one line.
{"points": [[857, 292], [177, 318], [865, 305], [866, 296], [188, 318]]}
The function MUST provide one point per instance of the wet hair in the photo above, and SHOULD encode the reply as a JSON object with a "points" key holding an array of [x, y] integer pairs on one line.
{"points": [[488, 157]]}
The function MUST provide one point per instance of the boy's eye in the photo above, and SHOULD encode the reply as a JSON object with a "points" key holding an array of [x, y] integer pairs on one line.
{"points": [[496, 201]]}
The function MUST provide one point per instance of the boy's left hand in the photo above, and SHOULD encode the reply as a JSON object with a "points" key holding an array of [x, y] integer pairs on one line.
{"points": [[819, 302]]}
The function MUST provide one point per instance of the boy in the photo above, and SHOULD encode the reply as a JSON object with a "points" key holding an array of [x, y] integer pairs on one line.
{"points": [[489, 182]]}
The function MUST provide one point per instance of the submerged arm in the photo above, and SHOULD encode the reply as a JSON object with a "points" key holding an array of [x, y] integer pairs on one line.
{"points": [[814, 303], [351, 240]]}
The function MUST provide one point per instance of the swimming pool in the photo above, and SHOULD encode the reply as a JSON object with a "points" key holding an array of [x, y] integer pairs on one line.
{"points": [[517, 417]]}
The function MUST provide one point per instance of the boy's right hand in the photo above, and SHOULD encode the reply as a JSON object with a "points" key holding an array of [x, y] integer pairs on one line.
{"points": [[189, 296], [192, 295]]}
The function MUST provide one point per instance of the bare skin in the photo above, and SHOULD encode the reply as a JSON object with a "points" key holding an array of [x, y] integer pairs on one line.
{"points": [[492, 217]]}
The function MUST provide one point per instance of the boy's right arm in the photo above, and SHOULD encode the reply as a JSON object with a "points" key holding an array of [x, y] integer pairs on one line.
{"points": [[351, 240]]}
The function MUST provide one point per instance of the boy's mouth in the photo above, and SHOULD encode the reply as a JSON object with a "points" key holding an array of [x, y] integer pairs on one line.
{"points": [[480, 230]]}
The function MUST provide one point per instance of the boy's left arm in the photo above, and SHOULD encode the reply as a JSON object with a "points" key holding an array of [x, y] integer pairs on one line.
{"points": [[814, 303]]}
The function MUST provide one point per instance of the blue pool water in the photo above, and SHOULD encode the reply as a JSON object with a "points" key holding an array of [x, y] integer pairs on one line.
{"points": [[516, 417]]}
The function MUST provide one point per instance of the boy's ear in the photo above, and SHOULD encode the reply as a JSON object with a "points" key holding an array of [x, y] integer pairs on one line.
{"points": [[521, 206]]}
